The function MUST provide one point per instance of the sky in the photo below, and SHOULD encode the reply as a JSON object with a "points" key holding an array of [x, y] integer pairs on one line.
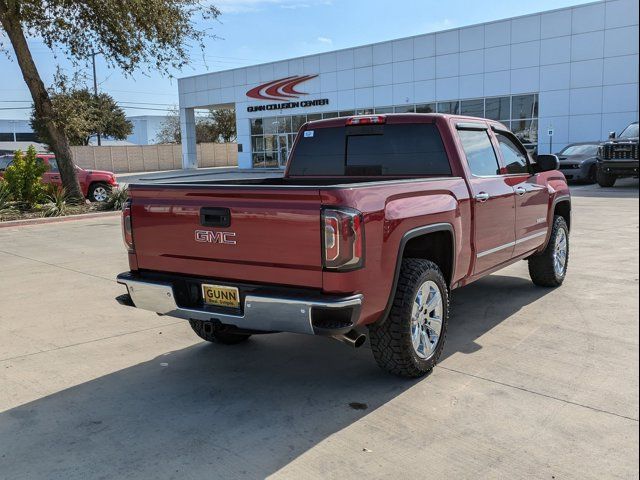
{"points": [[257, 31]]}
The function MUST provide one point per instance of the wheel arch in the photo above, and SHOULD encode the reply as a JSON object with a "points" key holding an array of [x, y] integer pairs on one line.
{"points": [[431, 242], [562, 207]]}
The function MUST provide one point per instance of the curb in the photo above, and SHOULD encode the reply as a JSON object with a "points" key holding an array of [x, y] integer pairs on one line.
{"points": [[68, 218]]}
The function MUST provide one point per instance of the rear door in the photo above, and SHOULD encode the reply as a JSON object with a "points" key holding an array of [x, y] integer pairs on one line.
{"points": [[253, 234], [52, 175], [532, 198], [493, 197]]}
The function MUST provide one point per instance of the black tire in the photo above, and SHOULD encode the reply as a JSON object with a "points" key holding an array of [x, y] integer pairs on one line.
{"points": [[391, 340], [97, 191], [593, 175], [542, 265], [205, 331], [604, 179]]}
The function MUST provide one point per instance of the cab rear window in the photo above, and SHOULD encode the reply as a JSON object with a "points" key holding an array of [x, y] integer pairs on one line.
{"points": [[371, 150]]}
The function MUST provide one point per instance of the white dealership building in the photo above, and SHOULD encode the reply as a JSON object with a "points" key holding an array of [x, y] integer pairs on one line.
{"points": [[558, 76]]}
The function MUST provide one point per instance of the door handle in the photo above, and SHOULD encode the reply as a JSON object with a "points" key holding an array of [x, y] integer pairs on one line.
{"points": [[482, 197], [521, 191]]}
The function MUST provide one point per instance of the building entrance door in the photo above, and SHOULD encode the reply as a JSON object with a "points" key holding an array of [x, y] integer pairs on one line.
{"points": [[283, 150]]}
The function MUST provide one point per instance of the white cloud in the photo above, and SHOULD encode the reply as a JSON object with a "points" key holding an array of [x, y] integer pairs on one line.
{"points": [[251, 6], [444, 24], [325, 40]]}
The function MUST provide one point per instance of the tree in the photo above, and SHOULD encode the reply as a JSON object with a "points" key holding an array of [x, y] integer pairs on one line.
{"points": [[224, 124], [80, 115], [170, 129], [153, 32]]}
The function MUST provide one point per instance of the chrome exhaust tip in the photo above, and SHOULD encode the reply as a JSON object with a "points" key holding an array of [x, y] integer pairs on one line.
{"points": [[352, 338]]}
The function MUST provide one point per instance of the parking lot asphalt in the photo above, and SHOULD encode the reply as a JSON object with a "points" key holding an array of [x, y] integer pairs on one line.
{"points": [[534, 383]]}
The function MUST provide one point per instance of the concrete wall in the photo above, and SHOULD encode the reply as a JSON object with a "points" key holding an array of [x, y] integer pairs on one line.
{"points": [[151, 158]]}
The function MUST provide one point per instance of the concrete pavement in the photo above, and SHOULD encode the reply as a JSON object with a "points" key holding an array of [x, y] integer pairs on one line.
{"points": [[534, 383]]}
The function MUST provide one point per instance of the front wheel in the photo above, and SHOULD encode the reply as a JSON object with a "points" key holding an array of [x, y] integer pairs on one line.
{"points": [[99, 192], [605, 180], [409, 342], [549, 267]]}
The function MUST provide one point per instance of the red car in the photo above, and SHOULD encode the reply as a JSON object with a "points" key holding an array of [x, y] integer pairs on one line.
{"points": [[376, 221], [95, 184]]}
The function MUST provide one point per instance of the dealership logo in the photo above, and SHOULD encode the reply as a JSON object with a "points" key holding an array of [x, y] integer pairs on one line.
{"points": [[282, 89]]}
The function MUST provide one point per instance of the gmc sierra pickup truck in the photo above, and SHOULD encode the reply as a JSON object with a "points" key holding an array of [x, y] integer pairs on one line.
{"points": [[375, 221]]}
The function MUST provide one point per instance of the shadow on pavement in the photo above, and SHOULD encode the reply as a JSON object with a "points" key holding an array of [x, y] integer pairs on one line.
{"points": [[209, 411]]}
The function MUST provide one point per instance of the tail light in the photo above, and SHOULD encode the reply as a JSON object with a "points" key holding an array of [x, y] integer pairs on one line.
{"points": [[343, 239], [369, 120], [127, 229]]}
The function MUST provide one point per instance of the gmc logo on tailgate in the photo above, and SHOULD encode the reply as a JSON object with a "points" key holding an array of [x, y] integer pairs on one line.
{"points": [[207, 236]]}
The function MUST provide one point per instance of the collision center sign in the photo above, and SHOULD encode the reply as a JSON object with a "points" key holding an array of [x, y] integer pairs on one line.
{"points": [[283, 89]]}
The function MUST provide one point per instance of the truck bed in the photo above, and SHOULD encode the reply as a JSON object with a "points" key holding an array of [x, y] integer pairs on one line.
{"points": [[274, 232]]}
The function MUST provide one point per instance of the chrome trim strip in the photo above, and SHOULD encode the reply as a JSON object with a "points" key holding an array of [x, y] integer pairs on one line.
{"points": [[496, 249], [279, 314], [531, 237], [512, 244]]}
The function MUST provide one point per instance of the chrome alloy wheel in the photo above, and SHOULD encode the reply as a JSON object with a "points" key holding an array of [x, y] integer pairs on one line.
{"points": [[560, 252], [426, 319], [100, 194]]}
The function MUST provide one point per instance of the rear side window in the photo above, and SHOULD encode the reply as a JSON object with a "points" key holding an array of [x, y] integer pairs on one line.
{"points": [[53, 165], [5, 161], [480, 155], [391, 150]]}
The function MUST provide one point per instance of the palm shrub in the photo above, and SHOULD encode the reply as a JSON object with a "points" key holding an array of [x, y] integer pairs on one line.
{"points": [[5, 196], [117, 198], [24, 177], [56, 205]]}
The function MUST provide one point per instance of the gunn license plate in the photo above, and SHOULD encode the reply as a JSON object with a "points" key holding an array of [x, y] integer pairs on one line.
{"points": [[221, 296]]}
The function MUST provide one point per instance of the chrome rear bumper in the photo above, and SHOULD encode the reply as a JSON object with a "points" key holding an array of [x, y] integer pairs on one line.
{"points": [[263, 313]]}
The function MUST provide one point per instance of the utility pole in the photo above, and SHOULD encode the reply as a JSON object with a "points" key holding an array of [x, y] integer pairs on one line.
{"points": [[95, 86]]}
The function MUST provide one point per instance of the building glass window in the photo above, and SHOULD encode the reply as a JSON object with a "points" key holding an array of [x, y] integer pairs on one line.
{"points": [[452, 108], [256, 126], [524, 106], [272, 137], [473, 108], [426, 108], [498, 108]]}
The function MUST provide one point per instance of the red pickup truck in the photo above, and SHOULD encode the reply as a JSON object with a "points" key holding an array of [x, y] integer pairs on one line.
{"points": [[376, 220], [95, 184]]}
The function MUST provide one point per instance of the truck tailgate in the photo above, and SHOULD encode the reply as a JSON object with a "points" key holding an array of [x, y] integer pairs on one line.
{"points": [[273, 235]]}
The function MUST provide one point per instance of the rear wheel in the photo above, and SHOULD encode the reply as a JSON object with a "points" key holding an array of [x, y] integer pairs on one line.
{"points": [[409, 342], [206, 331], [99, 192], [549, 267], [605, 180]]}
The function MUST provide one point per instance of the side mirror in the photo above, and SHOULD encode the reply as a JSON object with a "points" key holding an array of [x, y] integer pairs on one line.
{"points": [[612, 135], [546, 163]]}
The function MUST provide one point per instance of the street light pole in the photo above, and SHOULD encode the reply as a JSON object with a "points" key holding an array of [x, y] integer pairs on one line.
{"points": [[95, 87]]}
